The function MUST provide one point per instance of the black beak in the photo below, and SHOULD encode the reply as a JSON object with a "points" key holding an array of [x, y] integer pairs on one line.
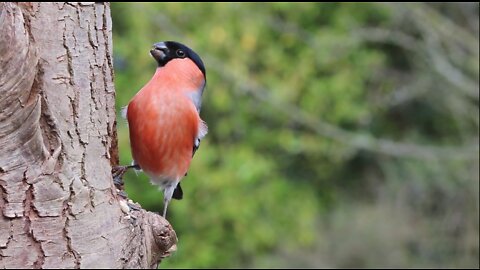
{"points": [[158, 53]]}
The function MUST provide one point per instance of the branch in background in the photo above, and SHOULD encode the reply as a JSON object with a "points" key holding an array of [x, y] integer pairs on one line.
{"points": [[438, 31], [357, 140], [427, 16]]}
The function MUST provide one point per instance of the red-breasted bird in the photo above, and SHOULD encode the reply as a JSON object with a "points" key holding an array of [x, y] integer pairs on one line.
{"points": [[164, 118]]}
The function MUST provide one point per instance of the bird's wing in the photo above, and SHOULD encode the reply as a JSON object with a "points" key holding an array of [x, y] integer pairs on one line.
{"points": [[196, 97], [202, 131]]}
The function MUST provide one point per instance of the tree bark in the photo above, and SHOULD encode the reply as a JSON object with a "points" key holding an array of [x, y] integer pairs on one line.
{"points": [[59, 207]]}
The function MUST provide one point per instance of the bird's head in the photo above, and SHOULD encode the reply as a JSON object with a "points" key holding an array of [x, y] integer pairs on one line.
{"points": [[164, 52]]}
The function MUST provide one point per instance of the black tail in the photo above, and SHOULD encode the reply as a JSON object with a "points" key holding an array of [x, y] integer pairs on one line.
{"points": [[178, 193]]}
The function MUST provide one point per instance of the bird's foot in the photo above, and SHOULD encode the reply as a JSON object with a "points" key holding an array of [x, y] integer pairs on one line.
{"points": [[117, 173]]}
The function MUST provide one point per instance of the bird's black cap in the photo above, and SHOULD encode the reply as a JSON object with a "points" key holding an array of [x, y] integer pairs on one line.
{"points": [[165, 51]]}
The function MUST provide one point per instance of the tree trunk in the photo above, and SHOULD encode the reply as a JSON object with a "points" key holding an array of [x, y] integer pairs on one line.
{"points": [[59, 207]]}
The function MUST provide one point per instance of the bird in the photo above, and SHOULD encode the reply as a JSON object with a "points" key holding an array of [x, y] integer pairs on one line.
{"points": [[163, 118]]}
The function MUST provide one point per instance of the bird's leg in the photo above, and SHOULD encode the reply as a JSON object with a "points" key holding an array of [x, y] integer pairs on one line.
{"points": [[119, 171], [169, 187], [165, 206]]}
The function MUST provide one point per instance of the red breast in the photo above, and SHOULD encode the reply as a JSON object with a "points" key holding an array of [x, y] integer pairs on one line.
{"points": [[164, 122]]}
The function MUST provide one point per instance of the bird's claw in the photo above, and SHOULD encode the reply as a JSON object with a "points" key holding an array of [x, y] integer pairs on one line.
{"points": [[117, 174]]}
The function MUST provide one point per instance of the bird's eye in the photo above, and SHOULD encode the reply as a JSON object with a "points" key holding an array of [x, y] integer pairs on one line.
{"points": [[180, 53]]}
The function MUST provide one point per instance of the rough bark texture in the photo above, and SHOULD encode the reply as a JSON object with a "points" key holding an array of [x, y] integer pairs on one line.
{"points": [[59, 207]]}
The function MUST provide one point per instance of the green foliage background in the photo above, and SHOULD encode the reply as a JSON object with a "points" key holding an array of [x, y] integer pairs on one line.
{"points": [[340, 135]]}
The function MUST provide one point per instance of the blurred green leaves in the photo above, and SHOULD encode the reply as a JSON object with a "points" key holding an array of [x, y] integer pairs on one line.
{"points": [[329, 125]]}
